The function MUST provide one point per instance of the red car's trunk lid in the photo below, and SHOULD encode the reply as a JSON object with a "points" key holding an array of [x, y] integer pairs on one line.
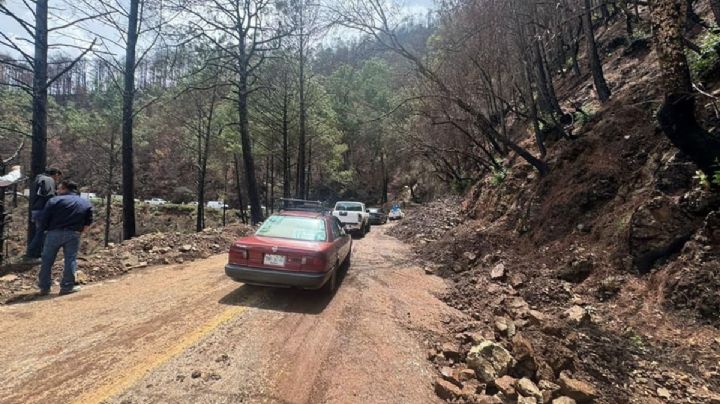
{"points": [[301, 256]]}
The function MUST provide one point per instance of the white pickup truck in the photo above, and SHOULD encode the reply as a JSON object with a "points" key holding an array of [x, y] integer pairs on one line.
{"points": [[353, 216]]}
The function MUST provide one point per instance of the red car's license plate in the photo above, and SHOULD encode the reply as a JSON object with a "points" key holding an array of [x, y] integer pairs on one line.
{"points": [[274, 260]]}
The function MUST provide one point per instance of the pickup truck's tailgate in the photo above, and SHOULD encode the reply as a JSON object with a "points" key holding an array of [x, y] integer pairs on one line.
{"points": [[348, 217]]}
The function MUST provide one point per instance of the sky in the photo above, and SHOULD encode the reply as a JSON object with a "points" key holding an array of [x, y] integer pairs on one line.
{"points": [[78, 37]]}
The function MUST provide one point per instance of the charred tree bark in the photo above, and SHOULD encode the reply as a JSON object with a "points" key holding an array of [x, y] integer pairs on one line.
{"points": [[549, 103], [128, 165], [238, 189], [285, 145], [109, 185], [677, 114], [309, 172], [715, 6], [601, 87], [256, 215], [385, 178], [271, 206], [301, 190], [534, 114], [38, 153]]}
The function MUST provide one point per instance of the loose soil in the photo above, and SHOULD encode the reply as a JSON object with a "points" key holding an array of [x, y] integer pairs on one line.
{"points": [[187, 333]]}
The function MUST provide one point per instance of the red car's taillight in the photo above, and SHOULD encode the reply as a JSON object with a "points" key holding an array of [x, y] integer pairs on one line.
{"points": [[237, 254], [313, 263]]}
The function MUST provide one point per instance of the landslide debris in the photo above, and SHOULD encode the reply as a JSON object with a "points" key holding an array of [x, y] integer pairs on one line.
{"points": [[600, 280], [117, 259]]}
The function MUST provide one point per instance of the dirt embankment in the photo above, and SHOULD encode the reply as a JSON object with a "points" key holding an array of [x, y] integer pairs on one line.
{"points": [[598, 282], [18, 281]]}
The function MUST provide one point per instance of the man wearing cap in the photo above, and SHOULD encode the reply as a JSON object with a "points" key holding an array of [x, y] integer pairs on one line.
{"points": [[45, 185]]}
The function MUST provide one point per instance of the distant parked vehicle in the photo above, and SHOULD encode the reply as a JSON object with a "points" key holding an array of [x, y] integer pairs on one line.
{"points": [[353, 216], [396, 213], [377, 216], [156, 201], [216, 205]]}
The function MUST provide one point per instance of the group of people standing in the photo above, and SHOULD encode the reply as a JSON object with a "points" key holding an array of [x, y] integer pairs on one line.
{"points": [[60, 216]]}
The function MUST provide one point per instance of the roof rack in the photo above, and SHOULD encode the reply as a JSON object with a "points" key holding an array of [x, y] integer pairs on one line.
{"points": [[302, 205]]}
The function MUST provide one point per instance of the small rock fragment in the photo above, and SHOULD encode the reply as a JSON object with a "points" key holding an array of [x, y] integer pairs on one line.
{"points": [[446, 390], [536, 317], [527, 388], [451, 351], [498, 272], [506, 385], [578, 315], [578, 390], [563, 400], [663, 393], [81, 277], [195, 374], [505, 326], [466, 374], [489, 360]]}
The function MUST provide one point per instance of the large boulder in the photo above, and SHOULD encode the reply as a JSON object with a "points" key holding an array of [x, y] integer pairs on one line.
{"points": [[578, 390], [658, 228], [526, 363], [489, 360]]}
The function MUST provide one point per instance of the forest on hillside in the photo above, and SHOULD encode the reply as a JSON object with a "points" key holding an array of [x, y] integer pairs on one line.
{"points": [[250, 100]]}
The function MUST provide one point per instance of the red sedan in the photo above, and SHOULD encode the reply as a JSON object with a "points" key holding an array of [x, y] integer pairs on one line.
{"points": [[302, 249]]}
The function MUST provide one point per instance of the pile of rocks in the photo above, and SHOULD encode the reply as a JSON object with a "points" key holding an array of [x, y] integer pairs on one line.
{"points": [[502, 365], [430, 222], [140, 252]]}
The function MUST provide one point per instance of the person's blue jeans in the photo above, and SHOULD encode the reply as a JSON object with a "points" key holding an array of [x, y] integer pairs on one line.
{"points": [[35, 247], [69, 240]]}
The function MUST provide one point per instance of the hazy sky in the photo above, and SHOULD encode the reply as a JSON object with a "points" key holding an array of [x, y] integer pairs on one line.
{"points": [[76, 35]]}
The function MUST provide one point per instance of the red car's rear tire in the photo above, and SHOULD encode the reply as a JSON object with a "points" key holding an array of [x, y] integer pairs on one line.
{"points": [[330, 285], [346, 263]]}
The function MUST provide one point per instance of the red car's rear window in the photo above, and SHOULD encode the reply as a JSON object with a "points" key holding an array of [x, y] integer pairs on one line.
{"points": [[293, 227]]}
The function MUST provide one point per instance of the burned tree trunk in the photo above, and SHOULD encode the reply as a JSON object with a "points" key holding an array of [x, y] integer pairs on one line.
{"points": [[677, 114], [596, 69], [715, 6], [38, 153], [128, 165]]}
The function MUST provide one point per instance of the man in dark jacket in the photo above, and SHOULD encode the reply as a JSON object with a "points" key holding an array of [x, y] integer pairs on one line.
{"points": [[44, 188], [64, 219]]}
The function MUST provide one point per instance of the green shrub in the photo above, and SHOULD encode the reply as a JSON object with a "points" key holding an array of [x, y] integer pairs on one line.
{"points": [[705, 63], [583, 118], [498, 175]]}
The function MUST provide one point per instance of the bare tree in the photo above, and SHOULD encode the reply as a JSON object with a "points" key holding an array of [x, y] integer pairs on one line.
{"points": [[133, 26], [601, 87], [376, 18], [37, 31], [239, 29]]}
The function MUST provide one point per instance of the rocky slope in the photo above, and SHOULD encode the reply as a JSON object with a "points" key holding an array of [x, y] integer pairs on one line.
{"points": [[597, 283]]}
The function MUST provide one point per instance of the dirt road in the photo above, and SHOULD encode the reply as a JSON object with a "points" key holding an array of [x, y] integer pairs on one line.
{"points": [[187, 333]]}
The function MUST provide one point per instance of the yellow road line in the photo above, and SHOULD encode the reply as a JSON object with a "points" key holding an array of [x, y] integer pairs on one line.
{"points": [[154, 360]]}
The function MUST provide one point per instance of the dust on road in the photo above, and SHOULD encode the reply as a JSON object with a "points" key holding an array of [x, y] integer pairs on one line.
{"points": [[187, 333]]}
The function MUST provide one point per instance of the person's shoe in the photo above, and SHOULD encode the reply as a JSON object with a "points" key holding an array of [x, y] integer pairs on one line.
{"points": [[26, 259], [44, 292], [68, 291]]}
